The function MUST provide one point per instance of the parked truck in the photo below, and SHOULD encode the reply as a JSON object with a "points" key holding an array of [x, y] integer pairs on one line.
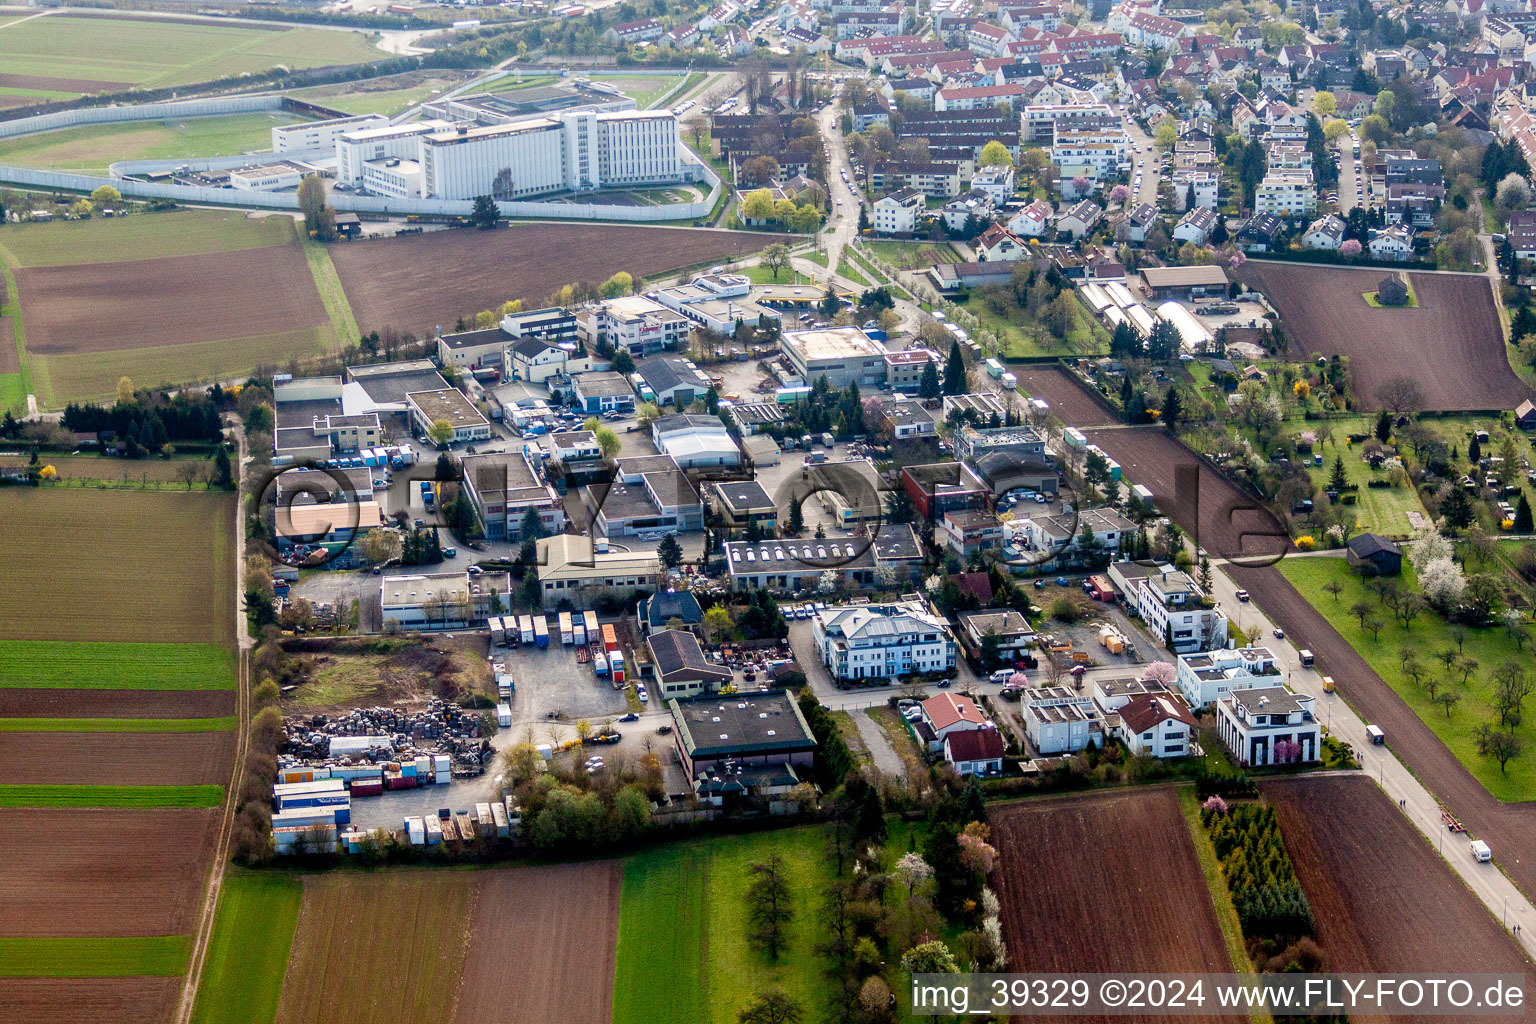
{"points": [[994, 369], [540, 631], [567, 636], [525, 628]]}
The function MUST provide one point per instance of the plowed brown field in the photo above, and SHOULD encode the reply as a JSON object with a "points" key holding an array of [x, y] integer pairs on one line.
{"points": [[1070, 402], [24, 702], [418, 282], [1212, 510], [1104, 882], [105, 307], [90, 1000], [1452, 344], [116, 758], [537, 918], [103, 872], [1383, 899]]}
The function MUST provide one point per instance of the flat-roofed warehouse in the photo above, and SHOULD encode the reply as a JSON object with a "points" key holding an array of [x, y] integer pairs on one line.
{"points": [[448, 406], [750, 729], [1171, 282], [841, 354]]}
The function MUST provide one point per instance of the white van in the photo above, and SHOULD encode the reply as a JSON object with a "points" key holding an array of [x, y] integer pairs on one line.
{"points": [[1001, 676], [1481, 852]]}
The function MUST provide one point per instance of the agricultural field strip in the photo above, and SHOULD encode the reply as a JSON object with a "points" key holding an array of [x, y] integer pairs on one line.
{"points": [[92, 665], [153, 955], [248, 954], [223, 724], [30, 795]]}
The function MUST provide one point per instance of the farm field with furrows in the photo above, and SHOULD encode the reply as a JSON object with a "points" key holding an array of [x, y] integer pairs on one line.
{"points": [[146, 589], [92, 878], [116, 758], [1131, 897], [1070, 402], [116, 748], [1382, 897], [103, 299], [66, 53], [1451, 344], [418, 282], [1213, 511]]}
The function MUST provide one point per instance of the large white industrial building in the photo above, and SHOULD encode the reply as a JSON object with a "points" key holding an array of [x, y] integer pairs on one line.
{"points": [[568, 152]]}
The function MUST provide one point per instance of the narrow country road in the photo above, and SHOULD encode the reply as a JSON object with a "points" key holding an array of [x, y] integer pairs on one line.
{"points": [[1412, 752]]}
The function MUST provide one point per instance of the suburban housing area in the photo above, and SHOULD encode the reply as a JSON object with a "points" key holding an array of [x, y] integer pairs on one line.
{"points": [[718, 513]]}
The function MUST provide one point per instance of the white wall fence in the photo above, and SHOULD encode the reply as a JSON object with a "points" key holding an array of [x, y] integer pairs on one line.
{"points": [[167, 111], [379, 205]]}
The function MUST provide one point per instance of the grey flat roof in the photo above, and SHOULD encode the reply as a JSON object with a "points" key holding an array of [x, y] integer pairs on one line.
{"points": [[769, 721]]}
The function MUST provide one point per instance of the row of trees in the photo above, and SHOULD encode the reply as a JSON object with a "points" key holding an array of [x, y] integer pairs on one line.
{"points": [[1271, 904]]}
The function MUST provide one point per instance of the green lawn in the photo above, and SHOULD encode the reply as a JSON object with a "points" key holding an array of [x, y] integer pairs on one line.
{"points": [[682, 907], [762, 275], [1374, 302], [328, 284], [222, 724], [248, 954], [94, 665], [18, 795], [152, 955], [110, 54], [1381, 510], [1018, 342], [912, 255], [1427, 637], [846, 268], [91, 148], [514, 84], [643, 89], [140, 236]]}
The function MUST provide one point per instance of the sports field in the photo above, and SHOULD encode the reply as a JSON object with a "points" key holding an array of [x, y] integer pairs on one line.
{"points": [[72, 53], [91, 149], [130, 297]]}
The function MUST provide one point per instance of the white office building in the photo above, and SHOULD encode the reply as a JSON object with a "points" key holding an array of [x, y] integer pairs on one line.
{"points": [[1269, 725], [310, 136], [360, 146], [882, 641], [576, 151]]}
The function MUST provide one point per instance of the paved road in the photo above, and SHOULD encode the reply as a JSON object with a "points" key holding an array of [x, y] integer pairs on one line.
{"points": [[1149, 163], [1412, 752], [882, 754]]}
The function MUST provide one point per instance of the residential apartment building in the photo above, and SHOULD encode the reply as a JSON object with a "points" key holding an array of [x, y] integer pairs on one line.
{"points": [[1174, 608], [883, 641], [1204, 679], [1156, 726], [899, 212], [965, 531], [1269, 725], [1059, 720], [1286, 194]]}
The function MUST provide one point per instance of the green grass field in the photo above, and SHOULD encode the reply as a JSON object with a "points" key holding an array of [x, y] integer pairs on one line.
{"points": [[912, 255], [847, 268], [223, 724], [1085, 338], [148, 955], [156, 53], [643, 89], [514, 84], [388, 102], [683, 904], [1381, 510], [91, 148], [1427, 637], [140, 236], [137, 797], [51, 664], [94, 375], [248, 954]]}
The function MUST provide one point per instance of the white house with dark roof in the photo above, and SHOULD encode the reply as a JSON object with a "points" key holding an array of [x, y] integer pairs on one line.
{"points": [[1254, 722], [1327, 232], [975, 751]]}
